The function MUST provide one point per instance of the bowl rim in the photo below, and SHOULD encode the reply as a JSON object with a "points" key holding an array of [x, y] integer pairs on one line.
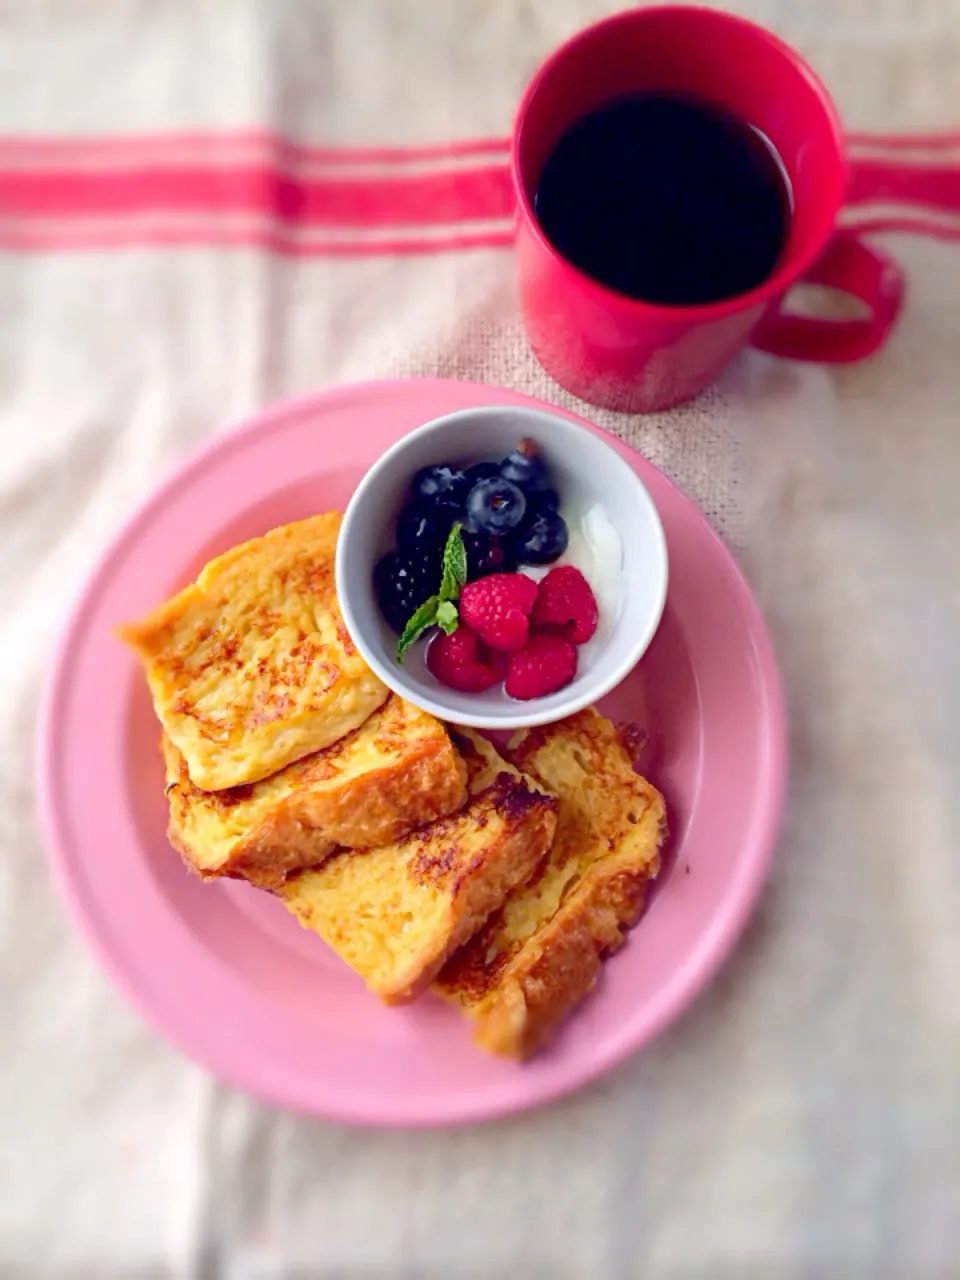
{"points": [[527, 715]]}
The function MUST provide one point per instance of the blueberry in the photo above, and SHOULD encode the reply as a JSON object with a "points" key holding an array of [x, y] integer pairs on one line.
{"points": [[441, 486], [422, 528], [403, 583], [496, 506], [486, 553], [526, 468], [543, 500], [542, 539], [482, 471]]}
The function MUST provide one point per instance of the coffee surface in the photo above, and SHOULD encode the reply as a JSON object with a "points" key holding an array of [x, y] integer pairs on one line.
{"points": [[667, 199]]}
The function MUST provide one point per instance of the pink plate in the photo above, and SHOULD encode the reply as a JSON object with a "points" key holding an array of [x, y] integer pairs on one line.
{"points": [[222, 970]]}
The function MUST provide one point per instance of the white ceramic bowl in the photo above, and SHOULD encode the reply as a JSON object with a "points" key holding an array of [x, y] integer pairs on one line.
{"points": [[586, 471]]}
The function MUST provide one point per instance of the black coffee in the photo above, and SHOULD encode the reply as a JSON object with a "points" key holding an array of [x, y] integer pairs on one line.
{"points": [[666, 199]]}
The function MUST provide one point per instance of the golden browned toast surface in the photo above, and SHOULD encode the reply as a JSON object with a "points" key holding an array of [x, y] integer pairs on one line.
{"points": [[540, 954], [396, 913], [396, 772], [251, 667]]}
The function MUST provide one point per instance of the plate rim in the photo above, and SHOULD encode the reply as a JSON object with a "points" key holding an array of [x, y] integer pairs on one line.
{"points": [[726, 931]]}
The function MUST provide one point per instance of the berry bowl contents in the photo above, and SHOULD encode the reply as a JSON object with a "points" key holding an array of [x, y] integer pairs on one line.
{"points": [[468, 576], [501, 567]]}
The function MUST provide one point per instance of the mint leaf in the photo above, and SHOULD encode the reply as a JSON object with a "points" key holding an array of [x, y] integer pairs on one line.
{"points": [[422, 618], [447, 616], [454, 565]]}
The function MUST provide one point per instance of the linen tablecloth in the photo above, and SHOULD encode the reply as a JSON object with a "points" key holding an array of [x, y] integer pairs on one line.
{"points": [[803, 1118]]}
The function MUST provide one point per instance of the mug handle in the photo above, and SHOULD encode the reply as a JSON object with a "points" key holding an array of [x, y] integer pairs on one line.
{"points": [[852, 267]]}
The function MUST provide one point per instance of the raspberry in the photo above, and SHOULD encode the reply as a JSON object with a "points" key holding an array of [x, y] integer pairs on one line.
{"points": [[546, 664], [498, 609], [461, 662], [565, 603]]}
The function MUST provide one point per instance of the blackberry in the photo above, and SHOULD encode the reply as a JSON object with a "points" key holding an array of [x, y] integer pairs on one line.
{"points": [[402, 584]]}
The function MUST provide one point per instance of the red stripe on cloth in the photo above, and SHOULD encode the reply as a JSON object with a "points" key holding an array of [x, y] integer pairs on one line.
{"points": [[253, 188], [464, 195], [78, 150], [273, 240]]}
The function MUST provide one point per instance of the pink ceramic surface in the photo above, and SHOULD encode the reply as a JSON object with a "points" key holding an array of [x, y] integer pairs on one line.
{"points": [[221, 969]]}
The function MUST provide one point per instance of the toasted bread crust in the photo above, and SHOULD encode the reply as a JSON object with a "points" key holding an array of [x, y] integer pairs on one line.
{"points": [[397, 913], [264, 853], [396, 772], [481, 760], [538, 956], [476, 885], [560, 967], [251, 667]]}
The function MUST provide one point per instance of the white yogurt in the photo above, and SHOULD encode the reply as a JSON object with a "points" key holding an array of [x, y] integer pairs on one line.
{"points": [[596, 550]]}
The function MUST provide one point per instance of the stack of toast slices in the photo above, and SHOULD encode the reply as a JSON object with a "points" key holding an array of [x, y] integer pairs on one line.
{"points": [[426, 857]]}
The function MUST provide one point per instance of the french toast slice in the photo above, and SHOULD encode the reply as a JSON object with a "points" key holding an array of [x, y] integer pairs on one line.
{"points": [[396, 913], [396, 772], [251, 667], [540, 954]]}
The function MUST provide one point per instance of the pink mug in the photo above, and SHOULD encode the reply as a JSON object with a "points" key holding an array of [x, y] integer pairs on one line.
{"points": [[620, 353]]}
